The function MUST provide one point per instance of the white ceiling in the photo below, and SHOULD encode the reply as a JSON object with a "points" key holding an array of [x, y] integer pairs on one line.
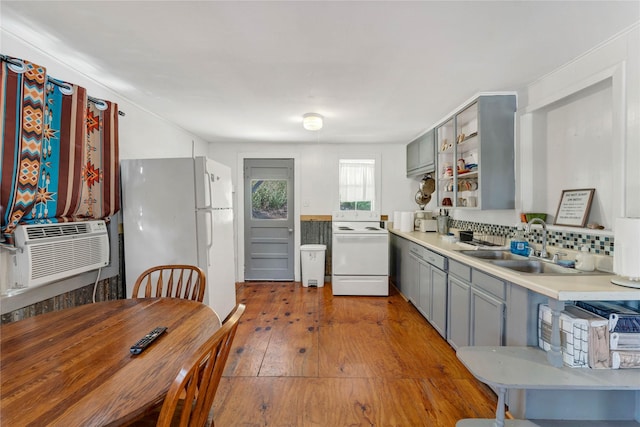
{"points": [[379, 71]]}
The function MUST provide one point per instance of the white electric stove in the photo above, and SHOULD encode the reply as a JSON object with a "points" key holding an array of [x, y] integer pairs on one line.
{"points": [[360, 254]]}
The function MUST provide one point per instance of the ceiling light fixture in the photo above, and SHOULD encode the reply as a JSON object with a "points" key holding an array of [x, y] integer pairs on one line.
{"points": [[312, 121]]}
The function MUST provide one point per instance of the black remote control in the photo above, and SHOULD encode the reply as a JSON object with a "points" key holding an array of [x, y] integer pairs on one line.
{"points": [[146, 341]]}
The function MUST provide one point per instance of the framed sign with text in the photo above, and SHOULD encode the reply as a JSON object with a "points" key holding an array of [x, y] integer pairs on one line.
{"points": [[574, 207]]}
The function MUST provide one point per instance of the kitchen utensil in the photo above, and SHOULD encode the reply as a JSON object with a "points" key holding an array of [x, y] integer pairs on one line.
{"points": [[422, 199], [443, 224], [427, 185]]}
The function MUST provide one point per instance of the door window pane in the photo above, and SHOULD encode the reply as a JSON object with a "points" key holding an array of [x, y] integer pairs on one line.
{"points": [[269, 199], [357, 184]]}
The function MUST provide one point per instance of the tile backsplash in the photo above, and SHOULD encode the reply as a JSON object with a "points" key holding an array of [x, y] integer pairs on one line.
{"points": [[597, 243]]}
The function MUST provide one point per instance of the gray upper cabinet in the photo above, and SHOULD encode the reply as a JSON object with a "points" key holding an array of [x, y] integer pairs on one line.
{"points": [[421, 155], [475, 160]]}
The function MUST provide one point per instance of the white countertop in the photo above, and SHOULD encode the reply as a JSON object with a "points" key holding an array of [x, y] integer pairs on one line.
{"points": [[568, 287]]}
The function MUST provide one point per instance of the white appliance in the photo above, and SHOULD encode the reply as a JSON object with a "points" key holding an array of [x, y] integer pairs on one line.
{"points": [[180, 211], [51, 252], [360, 254]]}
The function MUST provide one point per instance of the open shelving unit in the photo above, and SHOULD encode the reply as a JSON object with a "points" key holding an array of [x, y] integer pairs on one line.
{"points": [[475, 153]]}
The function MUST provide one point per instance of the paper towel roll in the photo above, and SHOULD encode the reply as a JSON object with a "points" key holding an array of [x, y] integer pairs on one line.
{"points": [[406, 222], [626, 253], [397, 218]]}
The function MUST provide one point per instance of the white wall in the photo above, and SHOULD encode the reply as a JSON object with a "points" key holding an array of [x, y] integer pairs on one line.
{"points": [[318, 165], [581, 129], [316, 178], [141, 134]]}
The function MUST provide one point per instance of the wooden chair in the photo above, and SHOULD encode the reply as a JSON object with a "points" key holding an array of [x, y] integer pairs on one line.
{"points": [[190, 397], [175, 281]]}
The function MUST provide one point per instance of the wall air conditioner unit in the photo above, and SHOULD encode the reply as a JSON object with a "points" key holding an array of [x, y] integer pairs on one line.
{"points": [[50, 252]]}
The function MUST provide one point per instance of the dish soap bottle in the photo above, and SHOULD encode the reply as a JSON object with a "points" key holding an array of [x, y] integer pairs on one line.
{"points": [[519, 243], [584, 260]]}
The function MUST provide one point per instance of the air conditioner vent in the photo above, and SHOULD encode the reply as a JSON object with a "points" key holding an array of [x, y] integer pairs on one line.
{"points": [[44, 231], [51, 252]]}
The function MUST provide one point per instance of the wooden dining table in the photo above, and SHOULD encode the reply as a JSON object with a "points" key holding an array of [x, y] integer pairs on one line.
{"points": [[74, 367]]}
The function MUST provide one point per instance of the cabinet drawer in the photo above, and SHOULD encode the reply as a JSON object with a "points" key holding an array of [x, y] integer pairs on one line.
{"points": [[495, 287], [435, 259], [416, 250], [460, 270]]}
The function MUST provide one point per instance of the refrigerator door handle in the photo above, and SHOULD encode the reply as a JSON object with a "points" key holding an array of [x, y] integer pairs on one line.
{"points": [[209, 205], [210, 242]]}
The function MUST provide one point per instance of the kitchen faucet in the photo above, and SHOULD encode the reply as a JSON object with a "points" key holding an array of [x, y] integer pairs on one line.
{"points": [[543, 251]]}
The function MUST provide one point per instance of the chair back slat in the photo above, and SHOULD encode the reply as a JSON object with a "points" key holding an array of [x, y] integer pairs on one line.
{"points": [[198, 380], [174, 281]]}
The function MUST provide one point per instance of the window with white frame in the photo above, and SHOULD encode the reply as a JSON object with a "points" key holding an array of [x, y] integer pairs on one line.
{"points": [[357, 181]]}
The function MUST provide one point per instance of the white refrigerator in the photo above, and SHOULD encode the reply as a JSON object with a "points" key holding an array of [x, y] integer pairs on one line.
{"points": [[180, 211]]}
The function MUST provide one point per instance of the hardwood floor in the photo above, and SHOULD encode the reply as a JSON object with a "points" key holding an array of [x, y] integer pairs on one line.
{"points": [[302, 357]]}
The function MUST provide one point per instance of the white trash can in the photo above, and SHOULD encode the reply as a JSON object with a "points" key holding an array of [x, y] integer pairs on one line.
{"points": [[312, 257]]}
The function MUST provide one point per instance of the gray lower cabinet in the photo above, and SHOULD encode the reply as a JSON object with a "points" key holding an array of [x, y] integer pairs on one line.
{"points": [[424, 305], [476, 307], [423, 280], [433, 296], [488, 296], [412, 288], [458, 311], [487, 321], [465, 305], [438, 315]]}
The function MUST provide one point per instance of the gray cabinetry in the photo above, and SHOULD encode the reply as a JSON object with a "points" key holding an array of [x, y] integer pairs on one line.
{"points": [[458, 311], [413, 279], [438, 315], [487, 309], [433, 290], [423, 279], [475, 161], [424, 305], [421, 154], [487, 319], [476, 307]]}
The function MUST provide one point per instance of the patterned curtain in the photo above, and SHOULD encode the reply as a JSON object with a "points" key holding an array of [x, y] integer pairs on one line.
{"points": [[64, 136], [22, 105], [100, 189], [59, 151]]}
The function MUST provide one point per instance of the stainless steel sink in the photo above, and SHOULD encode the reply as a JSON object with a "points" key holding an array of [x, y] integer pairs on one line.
{"points": [[522, 264], [492, 254], [534, 266]]}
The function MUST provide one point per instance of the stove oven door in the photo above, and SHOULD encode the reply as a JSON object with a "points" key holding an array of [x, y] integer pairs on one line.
{"points": [[360, 254]]}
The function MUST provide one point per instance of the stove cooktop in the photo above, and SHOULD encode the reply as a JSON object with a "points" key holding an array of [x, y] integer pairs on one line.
{"points": [[358, 227]]}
